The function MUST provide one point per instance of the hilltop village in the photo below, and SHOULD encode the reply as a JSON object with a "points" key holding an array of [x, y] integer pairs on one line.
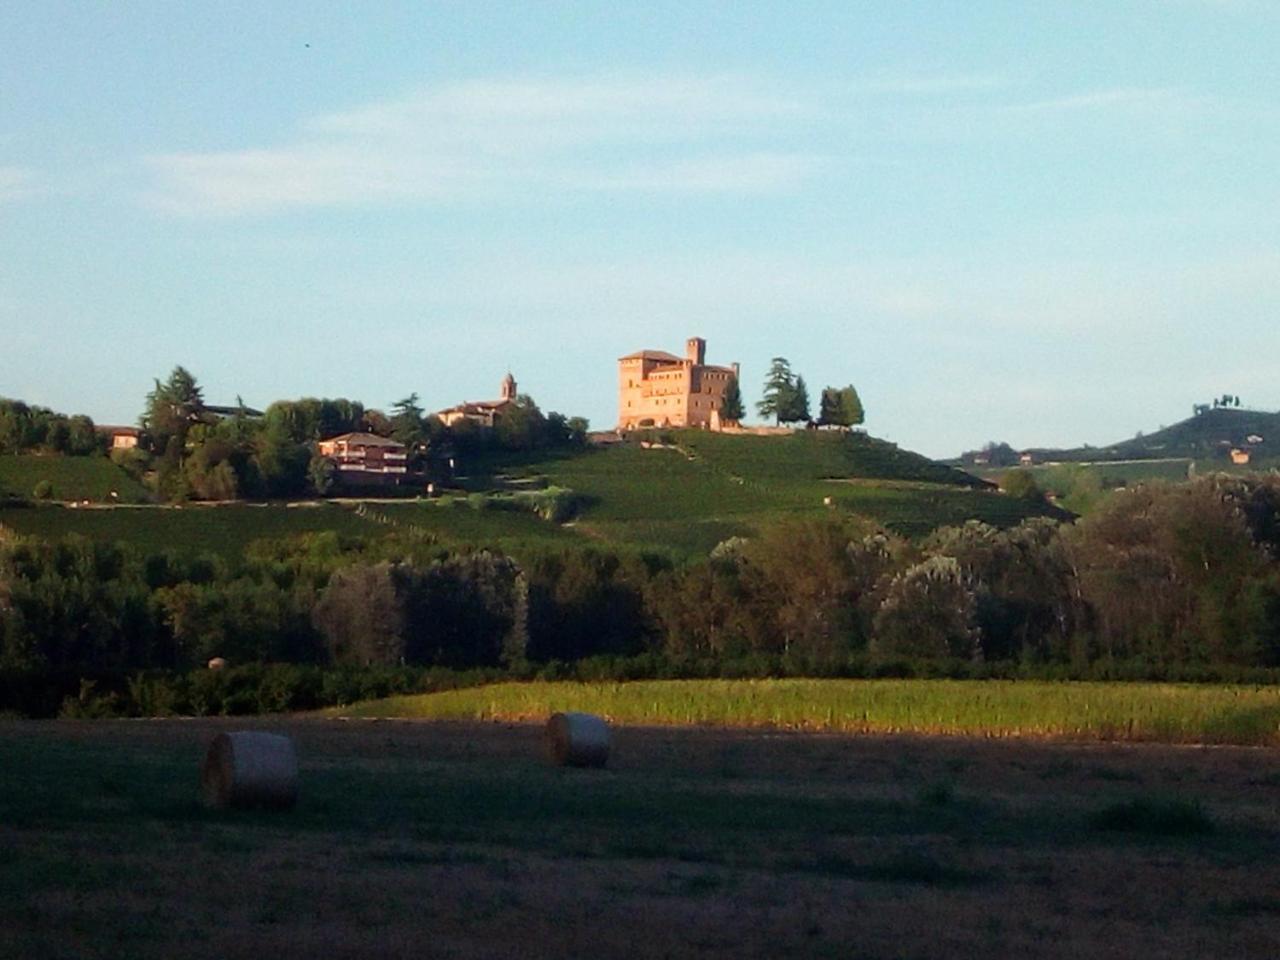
{"points": [[183, 448]]}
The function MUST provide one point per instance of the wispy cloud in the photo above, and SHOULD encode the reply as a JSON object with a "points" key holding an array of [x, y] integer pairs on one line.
{"points": [[483, 138]]}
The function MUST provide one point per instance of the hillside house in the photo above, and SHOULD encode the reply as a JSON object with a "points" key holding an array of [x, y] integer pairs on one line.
{"points": [[659, 389], [119, 438], [483, 412], [365, 459]]}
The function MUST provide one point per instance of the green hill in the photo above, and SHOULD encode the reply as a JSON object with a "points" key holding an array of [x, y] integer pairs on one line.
{"points": [[681, 498], [93, 478], [704, 487], [1209, 435]]}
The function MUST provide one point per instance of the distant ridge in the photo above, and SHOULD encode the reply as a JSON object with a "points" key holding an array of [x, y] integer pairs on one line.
{"points": [[1210, 434]]}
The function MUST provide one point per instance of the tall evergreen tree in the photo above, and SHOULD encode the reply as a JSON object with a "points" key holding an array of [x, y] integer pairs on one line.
{"points": [[731, 403], [797, 408], [779, 390], [406, 421], [829, 407], [172, 408]]}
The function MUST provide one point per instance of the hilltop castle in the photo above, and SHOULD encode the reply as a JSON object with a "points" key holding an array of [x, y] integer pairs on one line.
{"points": [[659, 389]]}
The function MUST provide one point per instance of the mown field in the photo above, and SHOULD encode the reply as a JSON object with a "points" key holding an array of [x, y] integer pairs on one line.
{"points": [[1170, 713], [459, 840], [71, 478], [680, 502]]}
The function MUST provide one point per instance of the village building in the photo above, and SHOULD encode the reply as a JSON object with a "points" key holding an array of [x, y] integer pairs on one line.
{"points": [[483, 412], [118, 437], [659, 389], [365, 459]]}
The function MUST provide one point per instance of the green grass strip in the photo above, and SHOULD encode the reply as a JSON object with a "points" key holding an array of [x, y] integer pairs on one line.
{"points": [[1169, 713]]}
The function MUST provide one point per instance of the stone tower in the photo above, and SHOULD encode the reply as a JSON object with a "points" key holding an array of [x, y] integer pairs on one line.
{"points": [[508, 388]]}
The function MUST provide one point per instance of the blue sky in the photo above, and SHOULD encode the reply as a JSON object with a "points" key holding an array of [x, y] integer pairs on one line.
{"points": [[1034, 222]]}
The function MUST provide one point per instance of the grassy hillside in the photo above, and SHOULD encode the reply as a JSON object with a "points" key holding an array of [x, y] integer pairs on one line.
{"points": [[72, 478], [1209, 435], [223, 530], [713, 486], [681, 501], [817, 455]]}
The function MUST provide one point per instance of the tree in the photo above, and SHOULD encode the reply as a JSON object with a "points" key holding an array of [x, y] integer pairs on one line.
{"points": [[829, 407], [797, 407], [520, 425], [928, 611], [282, 463], [840, 407], [406, 421], [322, 474], [851, 411], [172, 408], [376, 422], [731, 403], [1021, 483], [779, 390]]}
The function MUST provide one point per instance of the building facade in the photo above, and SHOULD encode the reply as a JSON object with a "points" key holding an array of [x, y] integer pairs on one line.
{"points": [[659, 389], [364, 459], [483, 412]]}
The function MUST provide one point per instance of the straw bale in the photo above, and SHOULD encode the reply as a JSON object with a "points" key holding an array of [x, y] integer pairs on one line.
{"points": [[250, 769], [578, 740]]}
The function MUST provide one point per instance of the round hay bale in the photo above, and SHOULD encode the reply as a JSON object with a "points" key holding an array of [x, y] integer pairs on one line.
{"points": [[578, 740], [217, 663], [250, 769]]}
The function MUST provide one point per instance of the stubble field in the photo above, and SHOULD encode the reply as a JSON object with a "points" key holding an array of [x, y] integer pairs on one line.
{"points": [[418, 839]]}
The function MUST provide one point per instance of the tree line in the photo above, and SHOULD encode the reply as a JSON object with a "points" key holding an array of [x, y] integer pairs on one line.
{"points": [[188, 453], [34, 429], [786, 400], [1160, 579]]}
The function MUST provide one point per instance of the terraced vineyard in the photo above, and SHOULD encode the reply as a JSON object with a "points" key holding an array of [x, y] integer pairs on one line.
{"points": [[690, 496], [679, 499]]}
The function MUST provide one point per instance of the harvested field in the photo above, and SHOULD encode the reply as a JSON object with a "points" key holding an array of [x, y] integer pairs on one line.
{"points": [[415, 839]]}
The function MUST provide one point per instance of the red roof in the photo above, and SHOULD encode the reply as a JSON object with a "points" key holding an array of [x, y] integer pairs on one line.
{"points": [[653, 355]]}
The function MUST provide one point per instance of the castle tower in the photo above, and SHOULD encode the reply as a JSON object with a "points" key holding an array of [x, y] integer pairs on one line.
{"points": [[695, 350], [508, 388]]}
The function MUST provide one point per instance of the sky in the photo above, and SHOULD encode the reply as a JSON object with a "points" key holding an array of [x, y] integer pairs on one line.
{"points": [[1041, 223]]}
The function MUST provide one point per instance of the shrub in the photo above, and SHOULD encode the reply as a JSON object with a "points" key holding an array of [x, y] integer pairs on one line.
{"points": [[1021, 484], [43, 490]]}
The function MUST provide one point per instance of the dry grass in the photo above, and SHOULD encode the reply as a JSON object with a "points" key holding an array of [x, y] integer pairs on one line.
{"points": [[1164, 712], [451, 839]]}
